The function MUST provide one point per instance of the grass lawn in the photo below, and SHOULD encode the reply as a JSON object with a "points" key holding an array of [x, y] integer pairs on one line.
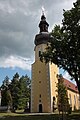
{"points": [[19, 116]]}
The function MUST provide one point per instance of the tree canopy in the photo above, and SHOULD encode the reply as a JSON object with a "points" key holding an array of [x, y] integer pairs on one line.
{"points": [[64, 49]]}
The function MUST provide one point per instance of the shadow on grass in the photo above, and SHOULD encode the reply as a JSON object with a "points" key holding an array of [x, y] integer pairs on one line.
{"points": [[74, 117], [39, 117], [30, 117]]}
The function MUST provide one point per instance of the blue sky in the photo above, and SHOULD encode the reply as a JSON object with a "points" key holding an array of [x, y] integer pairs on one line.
{"points": [[19, 21], [10, 73]]}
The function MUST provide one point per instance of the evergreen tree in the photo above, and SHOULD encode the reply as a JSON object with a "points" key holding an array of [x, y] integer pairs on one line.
{"points": [[14, 88], [5, 82], [62, 94], [24, 92], [16, 94], [64, 49], [6, 99], [62, 97], [20, 91]]}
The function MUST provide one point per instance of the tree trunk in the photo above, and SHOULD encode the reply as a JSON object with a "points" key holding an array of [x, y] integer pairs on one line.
{"points": [[78, 85]]}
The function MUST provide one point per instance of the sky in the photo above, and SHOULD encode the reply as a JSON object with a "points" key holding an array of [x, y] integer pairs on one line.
{"points": [[19, 21]]}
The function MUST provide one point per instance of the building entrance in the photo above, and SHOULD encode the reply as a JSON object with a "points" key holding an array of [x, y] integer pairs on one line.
{"points": [[40, 108]]}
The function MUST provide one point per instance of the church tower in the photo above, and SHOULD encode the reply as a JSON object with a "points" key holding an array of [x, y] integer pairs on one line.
{"points": [[44, 76]]}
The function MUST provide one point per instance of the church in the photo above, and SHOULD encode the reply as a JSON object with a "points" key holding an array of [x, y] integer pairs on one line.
{"points": [[44, 77]]}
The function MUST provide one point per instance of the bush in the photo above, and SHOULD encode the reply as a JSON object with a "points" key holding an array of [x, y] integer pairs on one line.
{"points": [[69, 110]]}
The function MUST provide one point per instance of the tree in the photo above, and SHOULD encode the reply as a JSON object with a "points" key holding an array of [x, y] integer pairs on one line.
{"points": [[62, 97], [64, 49], [14, 88], [20, 91], [16, 94], [5, 82], [6, 94], [24, 92]]}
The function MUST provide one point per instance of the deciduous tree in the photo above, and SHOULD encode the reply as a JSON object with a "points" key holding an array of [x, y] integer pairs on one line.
{"points": [[64, 49]]}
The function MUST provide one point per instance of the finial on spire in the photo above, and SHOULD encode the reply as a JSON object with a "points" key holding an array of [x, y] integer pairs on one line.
{"points": [[43, 10]]}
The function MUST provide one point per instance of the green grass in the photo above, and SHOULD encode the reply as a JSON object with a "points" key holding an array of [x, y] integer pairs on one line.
{"points": [[21, 116], [13, 116]]}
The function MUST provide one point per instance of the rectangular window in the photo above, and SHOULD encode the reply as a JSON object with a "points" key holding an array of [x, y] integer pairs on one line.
{"points": [[39, 53], [40, 95]]}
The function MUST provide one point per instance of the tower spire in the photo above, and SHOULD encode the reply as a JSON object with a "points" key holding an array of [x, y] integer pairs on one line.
{"points": [[43, 25]]}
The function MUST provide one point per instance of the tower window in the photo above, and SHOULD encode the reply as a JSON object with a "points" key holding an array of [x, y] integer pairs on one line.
{"points": [[39, 53], [40, 95], [39, 100], [39, 71]]}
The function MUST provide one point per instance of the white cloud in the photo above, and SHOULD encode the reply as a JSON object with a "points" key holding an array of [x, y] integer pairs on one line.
{"points": [[19, 21], [6, 8], [16, 61], [66, 75]]}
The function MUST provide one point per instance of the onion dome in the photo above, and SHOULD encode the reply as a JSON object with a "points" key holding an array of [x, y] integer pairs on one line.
{"points": [[44, 36]]}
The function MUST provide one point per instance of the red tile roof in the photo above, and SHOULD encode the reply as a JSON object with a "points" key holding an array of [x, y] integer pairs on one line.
{"points": [[70, 85]]}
